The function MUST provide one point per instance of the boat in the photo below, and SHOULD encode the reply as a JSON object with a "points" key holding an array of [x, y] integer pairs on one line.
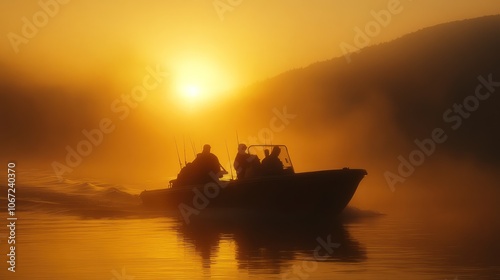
{"points": [[291, 194]]}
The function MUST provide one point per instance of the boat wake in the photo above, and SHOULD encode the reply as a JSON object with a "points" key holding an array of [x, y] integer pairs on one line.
{"points": [[42, 192]]}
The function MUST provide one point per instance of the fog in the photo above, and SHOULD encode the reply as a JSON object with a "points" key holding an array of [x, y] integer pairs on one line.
{"points": [[330, 115], [142, 147]]}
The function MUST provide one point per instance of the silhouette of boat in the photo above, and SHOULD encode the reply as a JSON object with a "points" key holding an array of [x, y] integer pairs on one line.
{"points": [[325, 192]]}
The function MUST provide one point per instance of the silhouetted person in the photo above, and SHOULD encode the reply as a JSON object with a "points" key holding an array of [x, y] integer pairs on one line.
{"points": [[206, 164], [246, 165], [241, 161], [266, 153], [272, 165]]}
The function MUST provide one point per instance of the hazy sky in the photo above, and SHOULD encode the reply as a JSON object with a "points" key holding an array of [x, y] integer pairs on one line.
{"points": [[97, 49], [236, 41]]}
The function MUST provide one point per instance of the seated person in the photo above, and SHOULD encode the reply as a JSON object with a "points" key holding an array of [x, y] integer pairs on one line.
{"points": [[207, 165], [246, 165], [266, 153], [241, 161], [272, 165], [204, 168]]}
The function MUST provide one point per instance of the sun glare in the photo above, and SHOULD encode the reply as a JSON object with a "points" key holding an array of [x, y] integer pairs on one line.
{"points": [[199, 81], [191, 92]]}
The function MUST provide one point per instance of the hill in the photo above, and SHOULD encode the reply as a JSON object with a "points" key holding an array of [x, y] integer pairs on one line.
{"points": [[395, 93]]}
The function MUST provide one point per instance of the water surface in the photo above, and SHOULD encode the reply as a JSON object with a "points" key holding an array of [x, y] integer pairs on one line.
{"points": [[82, 229]]}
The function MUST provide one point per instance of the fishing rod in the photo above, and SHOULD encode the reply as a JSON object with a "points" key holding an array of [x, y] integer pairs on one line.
{"points": [[178, 155], [193, 146], [229, 158], [184, 144]]}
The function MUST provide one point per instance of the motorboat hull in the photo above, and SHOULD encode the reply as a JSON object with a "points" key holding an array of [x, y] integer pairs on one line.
{"points": [[301, 194]]}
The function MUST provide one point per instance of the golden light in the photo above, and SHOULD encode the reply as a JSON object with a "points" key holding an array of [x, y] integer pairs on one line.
{"points": [[199, 81], [191, 92]]}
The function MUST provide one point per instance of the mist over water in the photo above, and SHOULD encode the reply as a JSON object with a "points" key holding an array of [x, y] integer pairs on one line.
{"points": [[436, 220], [419, 235], [426, 229]]}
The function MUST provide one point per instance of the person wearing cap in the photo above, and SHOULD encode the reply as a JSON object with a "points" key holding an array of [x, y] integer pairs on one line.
{"points": [[246, 165], [241, 161]]}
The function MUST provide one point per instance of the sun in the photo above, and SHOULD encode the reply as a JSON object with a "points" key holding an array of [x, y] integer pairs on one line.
{"points": [[199, 81], [191, 92]]}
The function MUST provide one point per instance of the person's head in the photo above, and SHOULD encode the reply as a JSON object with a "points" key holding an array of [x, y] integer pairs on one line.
{"points": [[266, 152], [276, 151], [242, 148], [206, 148]]}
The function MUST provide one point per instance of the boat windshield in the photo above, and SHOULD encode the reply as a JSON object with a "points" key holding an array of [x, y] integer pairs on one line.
{"points": [[261, 151]]}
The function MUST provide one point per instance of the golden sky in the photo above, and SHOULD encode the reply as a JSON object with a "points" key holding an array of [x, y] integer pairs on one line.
{"points": [[102, 49], [237, 41]]}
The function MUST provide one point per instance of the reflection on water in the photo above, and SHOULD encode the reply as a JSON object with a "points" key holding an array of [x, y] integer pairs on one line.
{"points": [[54, 246], [271, 246]]}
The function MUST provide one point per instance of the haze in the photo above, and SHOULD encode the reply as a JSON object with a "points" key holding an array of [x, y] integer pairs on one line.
{"points": [[79, 67], [239, 44]]}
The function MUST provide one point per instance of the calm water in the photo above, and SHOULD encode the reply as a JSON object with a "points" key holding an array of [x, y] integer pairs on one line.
{"points": [[90, 230]]}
